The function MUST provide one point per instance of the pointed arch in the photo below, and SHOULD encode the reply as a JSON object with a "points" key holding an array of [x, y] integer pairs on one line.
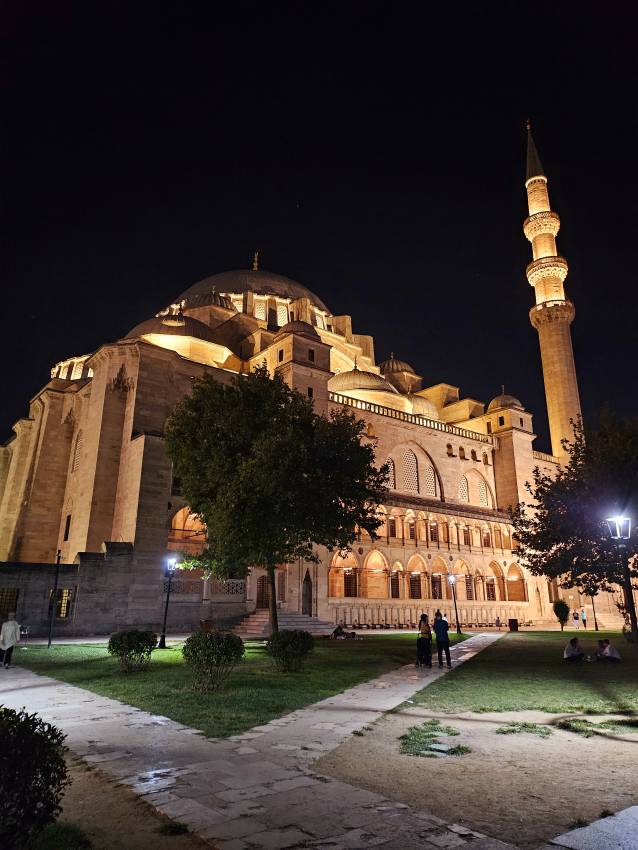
{"points": [[516, 584], [187, 532]]}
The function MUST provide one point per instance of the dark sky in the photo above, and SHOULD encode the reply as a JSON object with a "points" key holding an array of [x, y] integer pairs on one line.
{"points": [[373, 151]]}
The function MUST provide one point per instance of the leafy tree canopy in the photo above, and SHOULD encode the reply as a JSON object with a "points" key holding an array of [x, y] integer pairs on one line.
{"points": [[268, 476], [562, 533]]}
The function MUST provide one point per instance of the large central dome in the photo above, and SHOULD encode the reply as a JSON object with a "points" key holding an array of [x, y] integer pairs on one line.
{"points": [[244, 280]]}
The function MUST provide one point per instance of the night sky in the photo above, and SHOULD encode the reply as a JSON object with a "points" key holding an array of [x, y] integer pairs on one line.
{"points": [[372, 151]]}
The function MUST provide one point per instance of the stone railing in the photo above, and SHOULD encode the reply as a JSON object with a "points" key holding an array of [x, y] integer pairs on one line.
{"points": [[216, 587], [412, 418], [230, 587], [544, 457]]}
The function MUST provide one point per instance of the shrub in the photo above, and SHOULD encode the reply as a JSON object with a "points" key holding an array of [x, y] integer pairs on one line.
{"points": [[561, 609], [212, 657], [61, 836], [33, 776], [133, 649], [289, 649]]}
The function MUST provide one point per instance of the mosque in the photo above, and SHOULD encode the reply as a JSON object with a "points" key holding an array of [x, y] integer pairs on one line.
{"points": [[86, 476]]}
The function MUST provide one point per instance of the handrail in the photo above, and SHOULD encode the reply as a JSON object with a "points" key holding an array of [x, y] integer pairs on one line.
{"points": [[413, 418]]}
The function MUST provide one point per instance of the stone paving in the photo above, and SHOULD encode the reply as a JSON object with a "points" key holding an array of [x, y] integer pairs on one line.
{"points": [[257, 790]]}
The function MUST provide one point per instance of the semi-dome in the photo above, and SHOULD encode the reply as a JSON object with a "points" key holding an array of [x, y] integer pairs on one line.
{"points": [[504, 400], [298, 327], [393, 364], [423, 406], [175, 325], [359, 380], [245, 280]]}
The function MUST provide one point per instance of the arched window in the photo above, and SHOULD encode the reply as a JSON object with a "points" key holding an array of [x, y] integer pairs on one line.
{"points": [[77, 451], [392, 476], [464, 490], [461, 452], [482, 493], [429, 481], [487, 538], [409, 472], [473, 455]]}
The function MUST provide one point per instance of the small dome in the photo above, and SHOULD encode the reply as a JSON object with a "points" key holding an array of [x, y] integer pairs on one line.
{"points": [[394, 365], [423, 406], [358, 380], [504, 400], [176, 325], [298, 327]]}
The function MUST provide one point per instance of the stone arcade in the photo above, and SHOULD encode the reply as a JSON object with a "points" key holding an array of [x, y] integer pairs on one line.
{"points": [[86, 474]]}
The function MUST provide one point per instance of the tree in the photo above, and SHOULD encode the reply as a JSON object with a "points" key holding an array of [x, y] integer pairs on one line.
{"points": [[561, 609], [563, 533], [269, 477]]}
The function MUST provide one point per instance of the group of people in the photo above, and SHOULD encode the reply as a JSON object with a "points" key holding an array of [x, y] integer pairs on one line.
{"points": [[605, 651], [577, 618], [440, 627], [9, 637]]}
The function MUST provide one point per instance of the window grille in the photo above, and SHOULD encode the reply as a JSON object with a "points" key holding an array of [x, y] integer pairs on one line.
{"points": [[490, 590], [260, 309], [8, 601], [350, 583], [392, 526], [409, 472], [412, 529], [434, 532], [467, 540], [464, 490], [64, 602], [429, 482], [415, 586], [282, 314], [394, 586], [469, 588], [77, 452], [437, 587], [392, 476], [482, 491]]}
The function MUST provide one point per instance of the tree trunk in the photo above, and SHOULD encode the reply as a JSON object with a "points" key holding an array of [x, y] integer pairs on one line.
{"points": [[272, 600], [629, 597]]}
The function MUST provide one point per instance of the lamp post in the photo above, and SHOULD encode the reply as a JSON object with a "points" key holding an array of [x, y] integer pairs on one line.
{"points": [[620, 532], [54, 597], [171, 566], [452, 580]]}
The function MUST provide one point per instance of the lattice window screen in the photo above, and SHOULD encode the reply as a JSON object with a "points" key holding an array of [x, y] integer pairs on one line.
{"points": [[238, 303], [482, 489], [282, 314], [392, 476], [464, 490], [260, 309], [429, 481], [409, 472]]}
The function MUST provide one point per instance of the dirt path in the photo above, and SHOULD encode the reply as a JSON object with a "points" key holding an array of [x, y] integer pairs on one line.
{"points": [[115, 818], [519, 788]]}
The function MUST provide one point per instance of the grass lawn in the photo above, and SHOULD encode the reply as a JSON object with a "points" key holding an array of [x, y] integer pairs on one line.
{"points": [[255, 693], [527, 671]]}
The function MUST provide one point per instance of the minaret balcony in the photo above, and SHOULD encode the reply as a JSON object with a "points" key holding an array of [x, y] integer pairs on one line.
{"points": [[541, 222], [552, 311], [546, 267]]}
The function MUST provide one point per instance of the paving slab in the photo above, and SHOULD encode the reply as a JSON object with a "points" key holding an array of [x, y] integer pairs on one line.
{"points": [[257, 790], [618, 832]]}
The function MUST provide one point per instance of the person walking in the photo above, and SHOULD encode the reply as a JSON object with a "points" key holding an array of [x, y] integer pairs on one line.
{"points": [[9, 636], [441, 628], [424, 643], [576, 619], [583, 617]]}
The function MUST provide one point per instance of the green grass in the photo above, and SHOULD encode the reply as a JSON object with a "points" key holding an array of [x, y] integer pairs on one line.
{"points": [[527, 671], [173, 827], [254, 694], [61, 836], [531, 728], [588, 730], [418, 740]]}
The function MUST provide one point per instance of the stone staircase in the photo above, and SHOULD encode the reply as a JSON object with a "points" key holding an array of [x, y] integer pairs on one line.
{"points": [[257, 625]]}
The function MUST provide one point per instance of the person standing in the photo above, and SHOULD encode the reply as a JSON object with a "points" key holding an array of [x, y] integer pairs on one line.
{"points": [[497, 622], [441, 628], [576, 619], [9, 636], [583, 617], [424, 643]]}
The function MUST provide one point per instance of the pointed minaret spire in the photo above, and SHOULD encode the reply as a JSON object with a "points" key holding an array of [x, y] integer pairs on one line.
{"points": [[553, 313], [534, 164], [256, 261]]}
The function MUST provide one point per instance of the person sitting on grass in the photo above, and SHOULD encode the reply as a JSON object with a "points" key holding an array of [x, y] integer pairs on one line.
{"points": [[600, 651], [573, 651], [610, 652]]}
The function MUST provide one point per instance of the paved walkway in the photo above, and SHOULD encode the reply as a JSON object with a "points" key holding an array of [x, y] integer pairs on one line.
{"points": [[255, 790]]}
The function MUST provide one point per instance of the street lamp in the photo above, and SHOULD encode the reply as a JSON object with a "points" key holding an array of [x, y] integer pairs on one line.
{"points": [[452, 580], [171, 566], [54, 597], [620, 532]]}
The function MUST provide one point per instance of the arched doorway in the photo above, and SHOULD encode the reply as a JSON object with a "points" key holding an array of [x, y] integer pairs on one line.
{"points": [[263, 592], [187, 533], [306, 595], [516, 590]]}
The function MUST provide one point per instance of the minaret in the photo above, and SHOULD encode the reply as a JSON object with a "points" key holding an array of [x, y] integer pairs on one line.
{"points": [[553, 313]]}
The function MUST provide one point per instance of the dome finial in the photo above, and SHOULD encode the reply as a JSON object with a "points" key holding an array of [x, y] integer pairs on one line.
{"points": [[534, 165], [256, 261]]}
